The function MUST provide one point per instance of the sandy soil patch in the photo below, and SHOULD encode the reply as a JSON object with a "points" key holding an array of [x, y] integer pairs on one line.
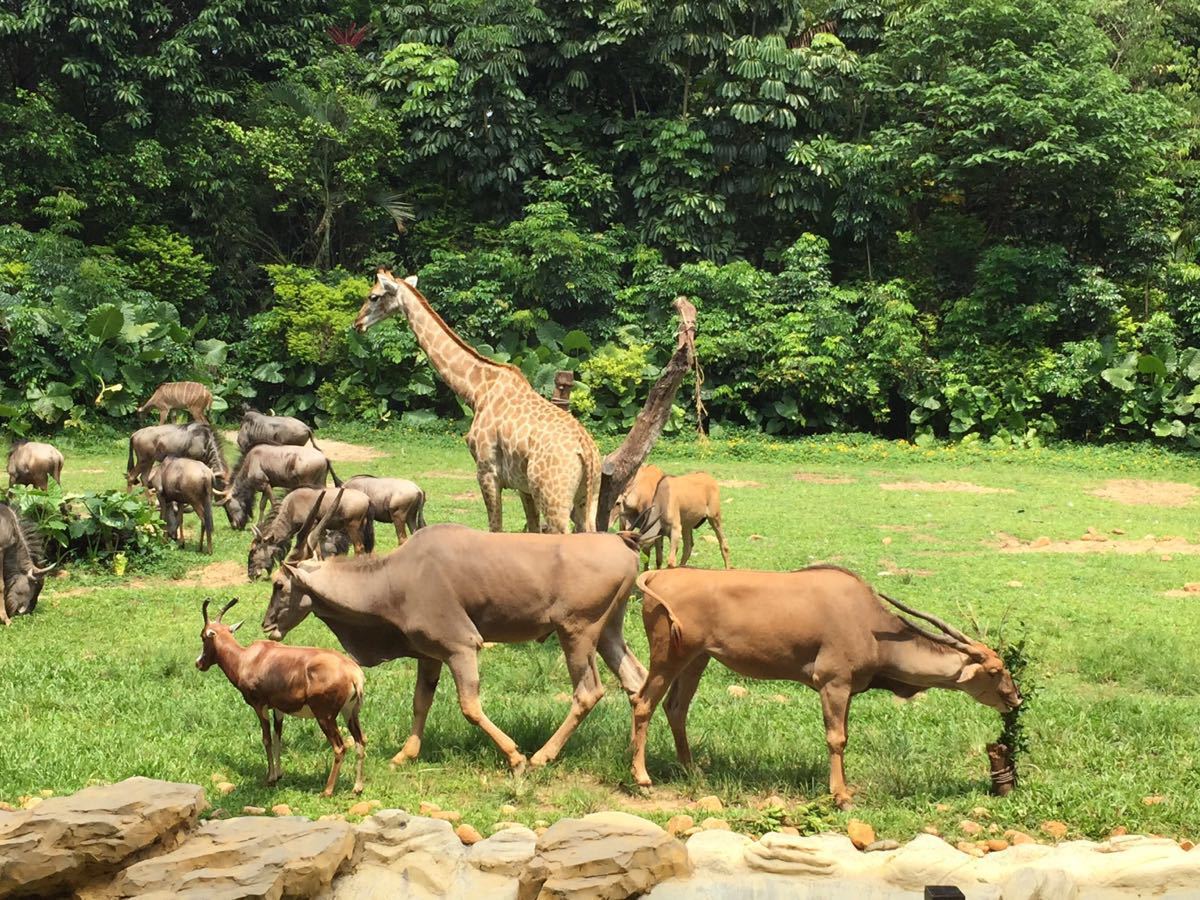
{"points": [[1093, 542], [1191, 589], [889, 567], [335, 451], [818, 478], [90, 471], [218, 574], [1136, 492], [466, 495], [452, 473], [735, 483], [944, 487]]}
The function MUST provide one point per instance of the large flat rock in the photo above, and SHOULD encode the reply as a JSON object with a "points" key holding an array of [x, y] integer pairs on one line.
{"points": [[256, 856], [65, 842]]}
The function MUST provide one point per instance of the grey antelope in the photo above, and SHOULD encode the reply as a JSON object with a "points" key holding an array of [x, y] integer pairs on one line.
{"points": [[349, 512], [307, 682], [261, 429], [21, 576], [173, 395], [822, 626], [266, 467], [449, 589], [395, 500], [33, 463], [156, 442], [681, 503], [178, 482]]}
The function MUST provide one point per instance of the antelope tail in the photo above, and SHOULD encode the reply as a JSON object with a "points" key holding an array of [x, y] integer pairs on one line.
{"points": [[129, 461], [337, 482], [652, 601], [418, 514]]}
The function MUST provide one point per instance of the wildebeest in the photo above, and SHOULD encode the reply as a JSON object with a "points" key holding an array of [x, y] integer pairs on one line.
{"points": [[395, 500], [156, 442], [21, 575], [177, 482], [449, 589], [266, 467], [681, 503], [262, 429], [307, 682], [822, 626], [349, 512], [33, 463], [173, 395]]}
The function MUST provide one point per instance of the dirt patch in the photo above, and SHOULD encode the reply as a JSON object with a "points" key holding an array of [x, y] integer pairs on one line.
{"points": [[735, 483], [219, 574], [1090, 543], [335, 451], [92, 471], [441, 473], [944, 487], [818, 478], [1191, 589], [466, 495], [899, 528], [1135, 492], [889, 567]]}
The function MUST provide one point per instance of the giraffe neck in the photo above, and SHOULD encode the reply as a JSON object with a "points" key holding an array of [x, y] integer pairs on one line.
{"points": [[461, 366]]}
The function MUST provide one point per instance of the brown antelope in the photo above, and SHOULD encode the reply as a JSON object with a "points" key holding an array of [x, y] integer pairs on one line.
{"points": [[172, 395], [266, 467], [156, 442], [395, 500], [306, 682], [681, 502], [21, 576], [822, 626], [347, 510], [260, 429], [176, 483], [33, 463], [449, 589]]}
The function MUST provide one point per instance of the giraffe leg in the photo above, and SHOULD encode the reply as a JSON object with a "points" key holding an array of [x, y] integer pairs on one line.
{"points": [[532, 522], [489, 484]]}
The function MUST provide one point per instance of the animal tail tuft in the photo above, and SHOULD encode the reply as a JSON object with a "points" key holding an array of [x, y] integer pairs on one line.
{"points": [[651, 601]]}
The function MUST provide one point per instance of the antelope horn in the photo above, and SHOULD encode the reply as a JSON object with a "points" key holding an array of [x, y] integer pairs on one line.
{"points": [[932, 620], [302, 536], [225, 608], [204, 609]]}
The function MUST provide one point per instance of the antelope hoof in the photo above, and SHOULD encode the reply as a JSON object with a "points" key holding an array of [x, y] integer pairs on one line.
{"points": [[358, 787], [844, 802], [518, 764], [642, 781], [539, 760], [328, 792]]}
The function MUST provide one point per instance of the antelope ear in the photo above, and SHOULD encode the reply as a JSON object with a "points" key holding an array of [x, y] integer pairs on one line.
{"points": [[411, 279], [968, 672]]}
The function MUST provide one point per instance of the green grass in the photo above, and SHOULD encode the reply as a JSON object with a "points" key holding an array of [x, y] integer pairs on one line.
{"points": [[100, 684]]}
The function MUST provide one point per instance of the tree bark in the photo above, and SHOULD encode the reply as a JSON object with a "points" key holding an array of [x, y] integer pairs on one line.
{"points": [[620, 466]]}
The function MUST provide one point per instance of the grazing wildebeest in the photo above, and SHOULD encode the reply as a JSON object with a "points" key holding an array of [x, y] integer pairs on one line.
{"points": [[33, 463], [266, 467], [348, 512], [822, 626], [177, 482], [307, 682], [262, 429], [395, 500], [21, 576], [449, 589], [173, 395], [156, 442], [681, 502]]}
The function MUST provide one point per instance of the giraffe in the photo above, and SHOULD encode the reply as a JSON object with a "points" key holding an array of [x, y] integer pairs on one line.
{"points": [[519, 439]]}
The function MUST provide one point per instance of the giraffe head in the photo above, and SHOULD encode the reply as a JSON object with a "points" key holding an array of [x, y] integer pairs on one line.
{"points": [[388, 296]]}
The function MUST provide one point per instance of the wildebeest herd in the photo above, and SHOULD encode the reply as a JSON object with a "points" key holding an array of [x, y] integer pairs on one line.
{"points": [[446, 590]]}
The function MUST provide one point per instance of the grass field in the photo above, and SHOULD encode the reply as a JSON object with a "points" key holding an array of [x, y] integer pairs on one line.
{"points": [[100, 684]]}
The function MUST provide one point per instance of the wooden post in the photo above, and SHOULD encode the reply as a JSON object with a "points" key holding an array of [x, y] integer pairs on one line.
{"points": [[563, 382]]}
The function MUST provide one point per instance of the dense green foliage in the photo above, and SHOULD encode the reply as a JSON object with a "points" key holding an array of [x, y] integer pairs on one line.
{"points": [[914, 217]]}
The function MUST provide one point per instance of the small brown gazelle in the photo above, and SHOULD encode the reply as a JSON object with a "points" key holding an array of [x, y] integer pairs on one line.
{"points": [[308, 682]]}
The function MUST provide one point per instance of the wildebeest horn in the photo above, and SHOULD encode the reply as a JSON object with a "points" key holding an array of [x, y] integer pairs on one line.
{"points": [[302, 536], [35, 571], [952, 636], [312, 545], [225, 608], [257, 533]]}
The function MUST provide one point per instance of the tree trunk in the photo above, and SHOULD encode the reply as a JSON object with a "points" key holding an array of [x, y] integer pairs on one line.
{"points": [[620, 466]]}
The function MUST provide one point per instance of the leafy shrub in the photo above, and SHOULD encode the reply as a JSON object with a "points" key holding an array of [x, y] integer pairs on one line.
{"points": [[92, 526]]}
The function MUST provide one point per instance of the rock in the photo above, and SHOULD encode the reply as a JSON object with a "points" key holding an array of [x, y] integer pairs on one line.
{"points": [[888, 844], [1014, 583], [1154, 800], [717, 852], [426, 851], [966, 826], [781, 698], [66, 841], [225, 788], [787, 855], [244, 857], [1054, 828], [31, 802], [1019, 837], [943, 807], [1041, 541], [736, 690], [332, 817], [711, 824], [426, 808], [1030, 883], [929, 860], [362, 808], [508, 810], [860, 833], [45, 793], [710, 803], [468, 834], [540, 830], [219, 813], [1118, 831], [676, 825], [931, 829], [501, 826], [602, 855], [6, 807], [540, 823], [995, 845], [217, 778], [253, 810], [969, 848], [281, 809], [789, 830], [448, 815], [981, 812], [1185, 844], [507, 852]]}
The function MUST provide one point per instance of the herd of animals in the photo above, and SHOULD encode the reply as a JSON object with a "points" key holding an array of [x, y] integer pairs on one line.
{"points": [[446, 590]]}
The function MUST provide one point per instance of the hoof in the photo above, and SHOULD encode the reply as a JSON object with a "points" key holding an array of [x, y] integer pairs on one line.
{"points": [[643, 783], [518, 765], [844, 803], [358, 788], [537, 761]]}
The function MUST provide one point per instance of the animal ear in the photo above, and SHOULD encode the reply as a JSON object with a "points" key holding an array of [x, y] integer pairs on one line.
{"points": [[412, 280], [969, 672]]}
